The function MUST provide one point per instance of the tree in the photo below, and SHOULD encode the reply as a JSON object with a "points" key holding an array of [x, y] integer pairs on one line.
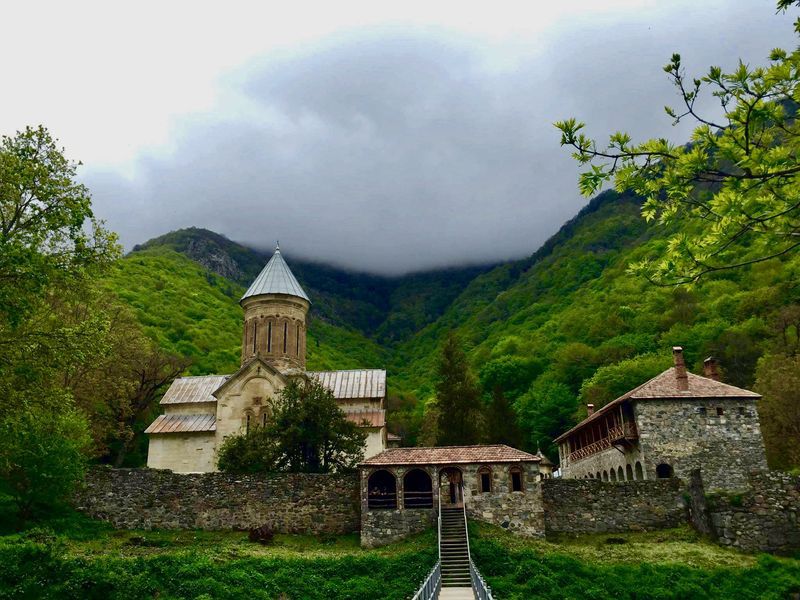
{"points": [[778, 381], [42, 456], [457, 397], [546, 411], [307, 433], [611, 381], [734, 187], [501, 420]]}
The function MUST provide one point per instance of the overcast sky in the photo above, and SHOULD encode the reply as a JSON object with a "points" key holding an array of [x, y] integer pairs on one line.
{"points": [[387, 137]]}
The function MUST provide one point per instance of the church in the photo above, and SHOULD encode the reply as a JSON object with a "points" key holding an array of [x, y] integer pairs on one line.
{"points": [[200, 412]]}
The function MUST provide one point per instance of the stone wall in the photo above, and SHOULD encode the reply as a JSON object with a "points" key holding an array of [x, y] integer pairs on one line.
{"points": [[287, 502], [579, 506], [381, 527], [765, 518], [520, 512], [691, 434]]}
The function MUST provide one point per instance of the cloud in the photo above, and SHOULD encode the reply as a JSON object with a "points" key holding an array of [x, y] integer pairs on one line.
{"points": [[395, 150]]}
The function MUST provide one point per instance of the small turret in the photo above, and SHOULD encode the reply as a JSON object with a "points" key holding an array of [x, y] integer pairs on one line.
{"points": [[275, 308]]}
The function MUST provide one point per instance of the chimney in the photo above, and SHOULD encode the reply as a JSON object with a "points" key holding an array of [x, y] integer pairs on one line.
{"points": [[711, 368], [681, 377], [590, 409]]}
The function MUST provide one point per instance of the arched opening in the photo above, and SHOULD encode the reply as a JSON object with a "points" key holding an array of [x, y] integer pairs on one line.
{"points": [[613, 475], [417, 489], [639, 471], [485, 480], [605, 475], [450, 486], [620, 474], [663, 471], [629, 472], [382, 490], [515, 476], [598, 476]]}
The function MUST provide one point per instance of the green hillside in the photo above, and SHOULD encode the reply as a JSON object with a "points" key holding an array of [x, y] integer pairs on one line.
{"points": [[195, 313], [567, 325]]}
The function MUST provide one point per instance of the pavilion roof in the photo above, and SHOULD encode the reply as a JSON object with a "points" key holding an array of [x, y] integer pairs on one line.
{"points": [[450, 455]]}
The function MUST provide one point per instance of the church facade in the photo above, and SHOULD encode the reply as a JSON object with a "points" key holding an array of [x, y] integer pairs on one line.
{"points": [[200, 412]]}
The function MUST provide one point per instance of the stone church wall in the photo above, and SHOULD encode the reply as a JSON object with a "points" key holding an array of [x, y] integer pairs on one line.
{"points": [[288, 502], [579, 506], [765, 518]]}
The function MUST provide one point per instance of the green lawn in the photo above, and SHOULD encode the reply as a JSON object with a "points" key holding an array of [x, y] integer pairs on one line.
{"points": [[660, 565]]}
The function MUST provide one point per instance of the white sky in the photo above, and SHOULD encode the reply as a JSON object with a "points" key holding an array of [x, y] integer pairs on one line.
{"points": [[352, 130]]}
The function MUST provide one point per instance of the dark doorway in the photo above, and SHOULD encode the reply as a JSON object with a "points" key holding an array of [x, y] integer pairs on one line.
{"points": [[664, 471], [450, 484], [382, 490]]}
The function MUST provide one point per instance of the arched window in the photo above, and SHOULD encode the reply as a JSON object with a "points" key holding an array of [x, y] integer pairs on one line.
{"points": [[484, 480], [285, 335], [297, 339], [264, 419], [598, 476], [620, 474], [247, 418], [639, 471], [664, 471], [269, 336], [255, 336], [515, 474], [613, 475], [417, 489], [382, 490], [629, 472], [605, 475]]}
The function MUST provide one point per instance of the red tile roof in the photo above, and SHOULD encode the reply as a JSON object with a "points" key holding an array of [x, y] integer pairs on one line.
{"points": [[449, 455], [665, 387]]}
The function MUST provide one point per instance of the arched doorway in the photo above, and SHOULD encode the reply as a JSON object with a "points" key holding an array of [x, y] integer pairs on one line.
{"points": [[382, 490], [417, 489], [450, 479], [664, 471], [639, 471]]}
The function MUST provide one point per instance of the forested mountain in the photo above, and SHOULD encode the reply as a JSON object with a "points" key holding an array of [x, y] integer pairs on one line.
{"points": [[546, 334]]}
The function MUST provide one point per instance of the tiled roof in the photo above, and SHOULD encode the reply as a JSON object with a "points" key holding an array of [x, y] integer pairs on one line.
{"points": [[358, 383], [371, 417], [450, 455], [193, 389], [665, 387], [276, 278], [182, 424]]}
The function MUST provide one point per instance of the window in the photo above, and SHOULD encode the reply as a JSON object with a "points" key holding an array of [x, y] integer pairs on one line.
{"points": [[613, 475], [485, 479], [247, 423], [382, 491], [620, 474], [598, 476], [516, 479], [285, 335], [740, 410], [720, 411], [664, 471], [264, 420], [701, 410], [605, 475], [639, 471], [297, 339], [269, 337], [255, 336], [417, 489], [629, 472]]}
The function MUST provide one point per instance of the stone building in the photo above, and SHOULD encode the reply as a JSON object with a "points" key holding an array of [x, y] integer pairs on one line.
{"points": [[200, 412], [676, 422], [400, 489]]}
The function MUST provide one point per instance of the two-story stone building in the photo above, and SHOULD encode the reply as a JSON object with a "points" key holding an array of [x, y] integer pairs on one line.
{"points": [[669, 425], [199, 412]]}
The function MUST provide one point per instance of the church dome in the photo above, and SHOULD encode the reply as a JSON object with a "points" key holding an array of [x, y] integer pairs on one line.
{"points": [[276, 278]]}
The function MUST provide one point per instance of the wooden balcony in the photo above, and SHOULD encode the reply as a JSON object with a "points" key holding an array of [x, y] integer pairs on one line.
{"points": [[626, 434]]}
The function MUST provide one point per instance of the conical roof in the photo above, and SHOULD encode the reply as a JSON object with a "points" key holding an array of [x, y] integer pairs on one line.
{"points": [[276, 278]]}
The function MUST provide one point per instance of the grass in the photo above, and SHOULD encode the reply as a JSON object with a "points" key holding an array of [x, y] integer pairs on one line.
{"points": [[661, 565]]}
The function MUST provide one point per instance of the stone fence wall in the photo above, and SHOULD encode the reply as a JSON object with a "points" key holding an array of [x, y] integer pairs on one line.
{"points": [[287, 502], [579, 506], [764, 518]]}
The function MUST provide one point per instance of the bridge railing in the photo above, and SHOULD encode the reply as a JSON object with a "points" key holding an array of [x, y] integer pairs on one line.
{"points": [[430, 588]]}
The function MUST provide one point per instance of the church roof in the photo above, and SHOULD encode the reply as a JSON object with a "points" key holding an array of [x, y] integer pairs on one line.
{"points": [[665, 387], [276, 278], [193, 389], [355, 383], [450, 455], [182, 424]]}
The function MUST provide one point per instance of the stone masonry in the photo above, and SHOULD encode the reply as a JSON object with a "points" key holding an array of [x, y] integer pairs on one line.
{"points": [[287, 502]]}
